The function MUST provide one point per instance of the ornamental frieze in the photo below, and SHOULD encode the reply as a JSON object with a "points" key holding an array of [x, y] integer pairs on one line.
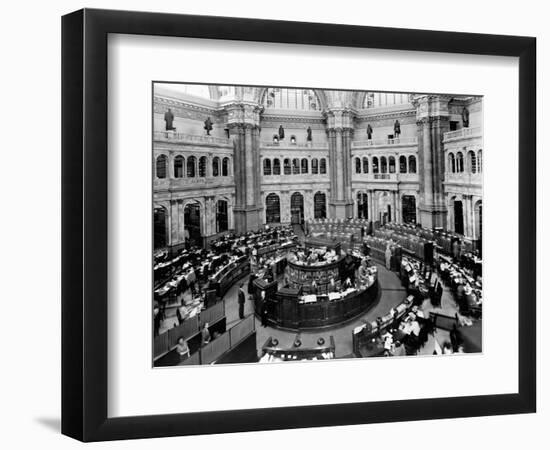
{"points": [[187, 111]]}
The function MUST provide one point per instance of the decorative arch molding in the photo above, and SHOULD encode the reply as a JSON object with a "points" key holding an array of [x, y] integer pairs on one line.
{"points": [[259, 94]]}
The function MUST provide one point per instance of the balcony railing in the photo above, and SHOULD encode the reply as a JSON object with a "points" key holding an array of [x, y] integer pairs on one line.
{"points": [[297, 177], [462, 133], [294, 145], [385, 177], [385, 142], [192, 181], [171, 136], [464, 178]]}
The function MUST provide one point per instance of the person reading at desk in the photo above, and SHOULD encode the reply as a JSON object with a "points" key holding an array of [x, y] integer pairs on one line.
{"points": [[314, 287], [347, 284], [332, 286]]}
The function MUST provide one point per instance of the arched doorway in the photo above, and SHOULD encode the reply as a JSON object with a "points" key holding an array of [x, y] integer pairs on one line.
{"points": [[160, 233], [272, 209], [192, 220], [297, 208], [478, 217], [362, 205], [222, 222], [459, 217], [319, 205], [408, 204]]}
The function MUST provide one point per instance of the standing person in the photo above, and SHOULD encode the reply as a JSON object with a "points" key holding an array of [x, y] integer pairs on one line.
{"points": [[388, 257], [241, 300], [264, 313], [156, 321], [182, 348], [438, 292], [205, 335]]}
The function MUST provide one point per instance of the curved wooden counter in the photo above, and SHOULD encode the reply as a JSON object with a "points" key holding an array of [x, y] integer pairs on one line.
{"points": [[284, 309]]}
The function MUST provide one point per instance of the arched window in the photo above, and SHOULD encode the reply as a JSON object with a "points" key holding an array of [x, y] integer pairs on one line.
{"points": [[314, 166], [272, 209], [408, 209], [267, 167], [216, 167], [297, 208], [286, 165], [392, 164], [319, 205], [276, 167], [362, 205], [179, 163], [412, 164], [479, 161], [202, 166], [357, 165], [161, 166], [323, 166], [478, 219], [383, 165], [365, 164], [295, 166], [225, 167], [304, 165], [275, 138], [473, 161], [376, 99], [282, 98], [459, 162], [402, 164], [191, 163], [375, 167], [197, 90], [293, 140], [160, 238], [452, 163]]}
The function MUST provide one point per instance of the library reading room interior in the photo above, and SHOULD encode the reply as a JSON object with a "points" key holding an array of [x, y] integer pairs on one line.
{"points": [[296, 224]]}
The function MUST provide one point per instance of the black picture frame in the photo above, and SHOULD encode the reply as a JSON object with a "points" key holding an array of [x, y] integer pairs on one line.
{"points": [[84, 224]]}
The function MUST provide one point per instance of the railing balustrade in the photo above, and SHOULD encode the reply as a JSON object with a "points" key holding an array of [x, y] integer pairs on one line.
{"points": [[384, 142], [462, 133], [193, 138]]}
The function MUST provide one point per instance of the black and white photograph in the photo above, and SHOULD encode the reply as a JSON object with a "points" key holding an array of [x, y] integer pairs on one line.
{"points": [[296, 224]]}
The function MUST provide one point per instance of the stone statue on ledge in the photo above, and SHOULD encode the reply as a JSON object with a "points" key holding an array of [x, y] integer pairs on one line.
{"points": [[281, 132], [208, 126], [396, 129], [309, 137], [169, 119], [369, 132]]}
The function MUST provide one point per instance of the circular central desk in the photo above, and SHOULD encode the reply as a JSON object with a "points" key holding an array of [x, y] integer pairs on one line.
{"points": [[287, 307]]}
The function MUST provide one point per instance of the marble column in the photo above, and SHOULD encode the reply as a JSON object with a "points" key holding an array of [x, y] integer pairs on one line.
{"points": [[181, 222], [174, 223], [243, 124], [432, 118], [170, 162], [370, 195], [394, 207], [339, 130], [468, 216]]}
